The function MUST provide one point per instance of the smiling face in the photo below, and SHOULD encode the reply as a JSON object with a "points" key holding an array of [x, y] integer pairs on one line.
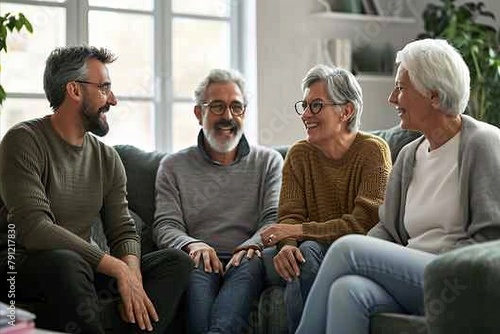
{"points": [[222, 132], [322, 127], [95, 103], [415, 110]]}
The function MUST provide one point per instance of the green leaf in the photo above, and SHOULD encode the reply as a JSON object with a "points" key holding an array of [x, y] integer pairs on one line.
{"points": [[19, 24], [27, 25], [3, 45], [12, 23], [3, 95]]}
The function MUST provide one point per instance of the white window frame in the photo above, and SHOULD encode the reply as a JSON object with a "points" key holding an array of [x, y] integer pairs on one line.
{"points": [[242, 49]]}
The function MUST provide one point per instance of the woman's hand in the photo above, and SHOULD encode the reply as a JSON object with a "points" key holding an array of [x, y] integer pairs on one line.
{"points": [[277, 232], [287, 261]]}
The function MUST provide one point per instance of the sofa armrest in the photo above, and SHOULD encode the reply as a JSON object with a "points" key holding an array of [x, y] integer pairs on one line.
{"points": [[462, 290], [394, 323]]}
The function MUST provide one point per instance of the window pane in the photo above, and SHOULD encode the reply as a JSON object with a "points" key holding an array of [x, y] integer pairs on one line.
{"points": [[124, 4], [14, 111], [130, 37], [131, 123], [198, 46], [23, 65], [185, 126], [202, 7]]}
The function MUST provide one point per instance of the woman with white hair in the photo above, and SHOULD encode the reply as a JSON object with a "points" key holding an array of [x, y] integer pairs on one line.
{"points": [[442, 194], [333, 182]]}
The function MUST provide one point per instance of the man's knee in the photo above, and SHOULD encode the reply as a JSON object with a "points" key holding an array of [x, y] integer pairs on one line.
{"points": [[66, 265], [253, 267], [166, 262], [313, 253]]}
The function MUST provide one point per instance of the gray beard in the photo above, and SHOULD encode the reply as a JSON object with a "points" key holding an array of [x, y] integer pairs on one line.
{"points": [[225, 147]]}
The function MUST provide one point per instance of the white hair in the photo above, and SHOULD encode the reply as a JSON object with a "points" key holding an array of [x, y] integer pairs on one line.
{"points": [[433, 64]]}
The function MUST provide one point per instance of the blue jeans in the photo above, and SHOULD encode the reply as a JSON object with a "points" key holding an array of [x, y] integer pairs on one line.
{"points": [[361, 275], [297, 290], [222, 304]]}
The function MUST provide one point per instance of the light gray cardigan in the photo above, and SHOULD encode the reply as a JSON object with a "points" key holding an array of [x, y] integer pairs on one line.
{"points": [[478, 168]]}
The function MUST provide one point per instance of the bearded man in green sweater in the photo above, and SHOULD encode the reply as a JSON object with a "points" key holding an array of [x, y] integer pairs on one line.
{"points": [[56, 179]]}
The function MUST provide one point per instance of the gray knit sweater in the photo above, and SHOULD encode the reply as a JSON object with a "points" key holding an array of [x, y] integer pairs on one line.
{"points": [[223, 206], [478, 168], [53, 191]]}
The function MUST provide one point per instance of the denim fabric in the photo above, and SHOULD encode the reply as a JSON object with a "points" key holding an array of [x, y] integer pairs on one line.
{"points": [[222, 304], [361, 275], [296, 291]]}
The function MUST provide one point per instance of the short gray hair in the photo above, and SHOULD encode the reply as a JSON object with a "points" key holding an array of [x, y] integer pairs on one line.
{"points": [[342, 87], [67, 64], [433, 64], [220, 76]]}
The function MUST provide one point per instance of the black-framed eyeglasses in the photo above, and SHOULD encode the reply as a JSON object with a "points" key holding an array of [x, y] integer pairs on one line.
{"points": [[218, 107], [315, 106], [104, 88]]}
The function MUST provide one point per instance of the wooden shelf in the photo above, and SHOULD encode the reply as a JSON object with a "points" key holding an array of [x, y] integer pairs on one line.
{"points": [[350, 17]]}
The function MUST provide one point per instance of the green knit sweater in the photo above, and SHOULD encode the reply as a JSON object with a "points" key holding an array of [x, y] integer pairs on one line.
{"points": [[53, 191], [332, 198]]}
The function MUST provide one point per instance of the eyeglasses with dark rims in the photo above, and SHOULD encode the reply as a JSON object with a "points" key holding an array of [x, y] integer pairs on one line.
{"points": [[315, 106], [218, 107], [104, 88]]}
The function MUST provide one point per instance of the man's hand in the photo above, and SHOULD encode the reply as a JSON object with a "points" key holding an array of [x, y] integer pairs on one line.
{"points": [[236, 258], [136, 306], [274, 233], [286, 262], [201, 251]]}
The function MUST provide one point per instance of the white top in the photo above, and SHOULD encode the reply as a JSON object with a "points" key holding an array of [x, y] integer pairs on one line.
{"points": [[433, 216]]}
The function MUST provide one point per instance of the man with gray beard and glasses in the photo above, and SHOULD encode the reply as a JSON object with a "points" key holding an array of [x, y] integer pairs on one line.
{"points": [[211, 201]]}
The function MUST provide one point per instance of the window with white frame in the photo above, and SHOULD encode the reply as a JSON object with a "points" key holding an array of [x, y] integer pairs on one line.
{"points": [[164, 49]]}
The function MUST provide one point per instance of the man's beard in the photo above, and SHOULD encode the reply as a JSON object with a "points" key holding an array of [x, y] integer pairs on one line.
{"points": [[226, 145], [92, 122]]}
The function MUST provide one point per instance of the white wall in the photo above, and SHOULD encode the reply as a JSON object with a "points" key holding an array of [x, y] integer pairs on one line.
{"points": [[287, 38]]}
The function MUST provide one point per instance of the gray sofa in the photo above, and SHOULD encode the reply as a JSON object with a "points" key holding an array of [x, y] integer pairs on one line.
{"points": [[462, 291], [269, 316]]}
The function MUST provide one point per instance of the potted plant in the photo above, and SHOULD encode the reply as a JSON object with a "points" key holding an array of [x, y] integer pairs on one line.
{"points": [[463, 26], [9, 23]]}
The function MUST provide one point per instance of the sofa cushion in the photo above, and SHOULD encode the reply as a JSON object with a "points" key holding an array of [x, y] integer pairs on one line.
{"points": [[393, 323], [141, 168], [396, 138]]}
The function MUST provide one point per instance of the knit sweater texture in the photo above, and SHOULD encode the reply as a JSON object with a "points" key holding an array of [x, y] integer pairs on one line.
{"points": [[53, 191], [331, 198], [198, 199]]}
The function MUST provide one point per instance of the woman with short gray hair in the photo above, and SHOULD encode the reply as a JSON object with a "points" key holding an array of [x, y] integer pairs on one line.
{"points": [[333, 181]]}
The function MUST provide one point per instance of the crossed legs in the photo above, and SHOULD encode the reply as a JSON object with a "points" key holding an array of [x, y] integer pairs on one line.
{"points": [[359, 276]]}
